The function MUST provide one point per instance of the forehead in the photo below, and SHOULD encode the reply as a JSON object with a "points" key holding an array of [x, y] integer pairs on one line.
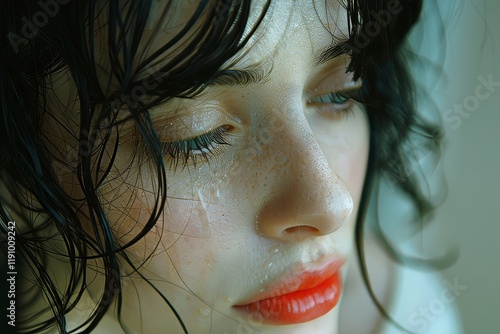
{"points": [[306, 25], [315, 23]]}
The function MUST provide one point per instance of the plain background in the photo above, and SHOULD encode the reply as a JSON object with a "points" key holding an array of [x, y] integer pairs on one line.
{"points": [[463, 38]]}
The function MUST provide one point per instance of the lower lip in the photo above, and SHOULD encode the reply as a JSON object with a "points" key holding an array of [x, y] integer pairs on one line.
{"points": [[298, 306]]}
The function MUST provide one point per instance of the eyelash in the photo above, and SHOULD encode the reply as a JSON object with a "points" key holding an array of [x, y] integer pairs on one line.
{"points": [[202, 148], [341, 102], [197, 148]]}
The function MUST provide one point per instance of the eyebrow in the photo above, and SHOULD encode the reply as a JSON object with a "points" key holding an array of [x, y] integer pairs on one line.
{"points": [[256, 74], [253, 74], [331, 52]]}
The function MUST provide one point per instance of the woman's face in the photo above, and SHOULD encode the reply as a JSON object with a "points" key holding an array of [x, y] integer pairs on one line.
{"points": [[247, 222]]}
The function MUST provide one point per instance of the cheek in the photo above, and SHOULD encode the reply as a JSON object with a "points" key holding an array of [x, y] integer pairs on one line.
{"points": [[180, 248], [355, 162], [346, 148]]}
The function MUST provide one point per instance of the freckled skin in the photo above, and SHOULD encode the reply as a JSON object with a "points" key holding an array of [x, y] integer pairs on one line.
{"points": [[289, 199]]}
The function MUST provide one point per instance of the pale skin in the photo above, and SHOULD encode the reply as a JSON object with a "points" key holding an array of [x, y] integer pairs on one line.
{"points": [[286, 190]]}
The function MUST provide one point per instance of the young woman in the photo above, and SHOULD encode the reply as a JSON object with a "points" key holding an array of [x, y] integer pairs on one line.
{"points": [[200, 166]]}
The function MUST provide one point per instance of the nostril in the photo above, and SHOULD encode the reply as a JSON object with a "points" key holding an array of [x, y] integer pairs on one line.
{"points": [[301, 229]]}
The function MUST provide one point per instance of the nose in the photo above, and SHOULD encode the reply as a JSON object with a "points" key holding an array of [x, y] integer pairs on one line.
{"points": [[307, 197]]}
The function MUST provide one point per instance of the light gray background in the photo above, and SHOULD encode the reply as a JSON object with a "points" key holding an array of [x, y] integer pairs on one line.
{"points": [[470, 216]]}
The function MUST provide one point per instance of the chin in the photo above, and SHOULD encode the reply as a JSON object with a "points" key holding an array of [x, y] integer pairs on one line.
{"points": [[326, 324]]}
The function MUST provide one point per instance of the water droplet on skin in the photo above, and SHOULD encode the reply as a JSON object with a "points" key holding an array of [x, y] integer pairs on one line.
{"points": [[270, 265], [215, 192], [257, 229], [204, 311]]}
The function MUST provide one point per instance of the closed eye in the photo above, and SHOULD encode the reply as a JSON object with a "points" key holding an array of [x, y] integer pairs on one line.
{"points": [[197, 149]]}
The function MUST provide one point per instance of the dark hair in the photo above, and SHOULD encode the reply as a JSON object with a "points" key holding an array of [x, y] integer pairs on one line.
{"points": [[35, 47]]}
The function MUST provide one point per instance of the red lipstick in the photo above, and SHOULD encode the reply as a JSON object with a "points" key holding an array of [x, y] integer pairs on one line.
{"points": [[298, 297]]}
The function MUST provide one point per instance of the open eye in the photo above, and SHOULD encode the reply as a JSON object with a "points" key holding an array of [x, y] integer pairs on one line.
{"points": [[336, 103], [335, 98], [197, 149]]}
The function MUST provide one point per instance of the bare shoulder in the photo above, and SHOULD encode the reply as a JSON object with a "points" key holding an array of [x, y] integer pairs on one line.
{"points": [[420, 301]]}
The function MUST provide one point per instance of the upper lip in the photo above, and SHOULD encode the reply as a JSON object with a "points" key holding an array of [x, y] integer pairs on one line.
{"points": [[300, 276]]}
